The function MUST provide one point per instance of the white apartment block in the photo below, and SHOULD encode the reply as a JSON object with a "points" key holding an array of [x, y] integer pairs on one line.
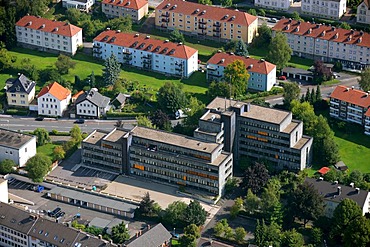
{"points": [[81, 5], [274, 4], [53, 100], [47, 35], [334, 9], [327, 43], [351, 105], [149, 54], [135, 9], [16, 146], [363, 12]]}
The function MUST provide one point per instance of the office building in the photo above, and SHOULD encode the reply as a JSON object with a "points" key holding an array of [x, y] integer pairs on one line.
{"points": [[327, 43], [20, 91], [53, 100], [147, 53], [363, 12], [329, 9], [262, 73], [47, 35], [204, 21], [274, 4], [135, 9]]}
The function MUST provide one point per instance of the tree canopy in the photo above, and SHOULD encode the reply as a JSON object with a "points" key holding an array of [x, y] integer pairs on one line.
{"points": [[6, 166], [161, 120], [64, 63], [176, 36], [171, 98], [219, 89], [195, 213], [37, 167], [291, 92], [207, 2], [111, 70], [147, 206], [42, 136], [174, 214], [145, 122], [255, 177], [120, 233], [279, 52], [264, 36], [226, 3], [241, 48], [237, 74], [364, 80]]}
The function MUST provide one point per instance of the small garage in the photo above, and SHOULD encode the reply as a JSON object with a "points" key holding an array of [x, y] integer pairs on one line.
{"points": [[297, 74]]}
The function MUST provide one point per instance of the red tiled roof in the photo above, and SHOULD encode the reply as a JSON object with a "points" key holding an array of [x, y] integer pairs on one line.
{"points": [[352, 96], [129, 4], [128, 40], [259, 66], [324, 32], [367, 3], [55, 89], [77, 94], [367, 114], [211, 12], [323, 170], [46, 25]]}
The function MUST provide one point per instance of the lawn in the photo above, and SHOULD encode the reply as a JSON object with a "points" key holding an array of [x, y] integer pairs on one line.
{"points": [[47, 150]]}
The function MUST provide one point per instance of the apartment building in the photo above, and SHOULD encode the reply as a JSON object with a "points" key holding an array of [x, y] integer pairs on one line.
{"points": [[135, 9], [262, 73], [157, 236], [47, 35], [330, 9], [274, 4], [258, 133], [81, 5], [363, 12], [327, 43], [367, 122], [92, 104], [146, 53], [53, 100], [20, 91], [349, 104], [204, 21]]}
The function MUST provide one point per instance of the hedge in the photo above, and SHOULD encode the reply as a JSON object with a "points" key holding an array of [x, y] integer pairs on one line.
{"points": [[21, 112], [124, 114]]}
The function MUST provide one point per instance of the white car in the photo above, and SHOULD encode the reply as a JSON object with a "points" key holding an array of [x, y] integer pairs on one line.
{"points": [[273, 20]]}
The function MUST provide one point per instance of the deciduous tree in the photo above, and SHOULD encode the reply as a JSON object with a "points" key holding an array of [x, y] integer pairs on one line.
{"points": [[207, 2], [240, 234], [76, 134], [64, 63], [195, 213], [177, 37], [237, 207], [42, 136], [144, 121], [364, 80], [252, 12], [123, 23], [264, 36], [279, 52], [37, 167], [6, 166], [237, 74], [111, 70], [291, 92], [226, 3], [171, 98], [59, 153], [161, 120], [147, 205], [256, 176], [193, 230], [174, 214], [357, 233], [321, 72], [292, 238], [5, 59], [219, 89], [251, 202]]}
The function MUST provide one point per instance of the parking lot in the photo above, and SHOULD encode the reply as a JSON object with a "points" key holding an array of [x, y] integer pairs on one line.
{"points": [[18, 185], [88, 172]]}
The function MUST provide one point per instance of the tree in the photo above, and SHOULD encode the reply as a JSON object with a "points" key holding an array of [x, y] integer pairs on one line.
{"points": [[241, 49], [187, 240], [123, 23], [220, 227], [8, 18], [313, 96], [292, 238], [219, 89], [262, 12], [64, 63], [266, 235], [111, 70], [5, 59], [194, 111], [59, 153], [356, 177], [264, 36], [240, 234], [357, 233], [120, 233], [174, 214], [193, 230], [308, 95], [252, 12], [76, 134], [177, 37], [206, 2], [171, 98], [146, 205], [195, 213], [251, 202], [345, 25], [37, 167], [42, 136], [144, 121], [255, 177], [226, 3], [364, 80], [279, 52], [228, 232], [318, 96], [291, 92], [161, 120], [73, 15], [92, 79], [6, 166], [235, 209], [321, 72], [295, 16], [238, 76]]}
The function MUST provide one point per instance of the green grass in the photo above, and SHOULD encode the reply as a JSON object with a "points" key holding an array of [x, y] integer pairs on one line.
{"points": [[47, 150], [175, 242], [331, 82]]}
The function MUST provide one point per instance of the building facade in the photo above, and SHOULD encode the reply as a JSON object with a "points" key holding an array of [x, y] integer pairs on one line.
{"points": [[262, 73], [53, 100], [92, 104], [4, 196], [148, 54], [47, 35], [351, 105], [156, 236], [363, 12], [135, 9], [274, 4], [20, 91], [205, 21], [329, 9], [16, 146], [367, 122], [81, 5], [327, 43]]}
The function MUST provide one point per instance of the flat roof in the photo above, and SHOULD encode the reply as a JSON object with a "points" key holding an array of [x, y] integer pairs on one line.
{"points": [[95, 199], [297, 71], [210, 116], [219, 104], [291, 126], [13, 139], [95, 136], [300, 144], [115, 135], [266, 114]]}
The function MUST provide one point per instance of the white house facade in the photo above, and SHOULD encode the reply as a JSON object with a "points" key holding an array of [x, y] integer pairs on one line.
{"points": [[274, 4], [47, 35], [92, 104], [333, 9], [53, 100], [81, 5], [363, 12], [20, 91], [148, 54], [367, 122], [135, 9]]}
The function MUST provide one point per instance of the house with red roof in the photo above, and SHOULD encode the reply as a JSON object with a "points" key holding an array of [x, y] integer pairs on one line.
{"points": [[48, 35], [146, 53], [53, 100], [363, 12], [327, 43], [351, 105], [262, 73], [135, 9], [205, 21]]}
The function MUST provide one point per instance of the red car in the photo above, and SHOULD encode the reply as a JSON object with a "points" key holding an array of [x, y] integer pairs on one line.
{"points": [[282, 77]]}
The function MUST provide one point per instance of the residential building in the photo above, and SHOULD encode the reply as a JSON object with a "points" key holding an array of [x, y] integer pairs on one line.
{"points": [[262, 73], [81, 5], [48, 35], [274, 4], [16, 146], [20, 91], [327, 43], [146, 53], [363, 12], [120, 100], [135, 9], [367, 122], [156, 236], [257, 132], [4, 198], [205, 21], [329, 9], [334, 193], [92, 104], [159, 155], [350, 104], [53, 100]]}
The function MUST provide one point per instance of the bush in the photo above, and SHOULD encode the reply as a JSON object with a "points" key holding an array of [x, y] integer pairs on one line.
{"points": [[124, 114], [58, 133], [20, 112]]}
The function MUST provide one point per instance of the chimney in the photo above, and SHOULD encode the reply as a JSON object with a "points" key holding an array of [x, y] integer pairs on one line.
{"points": [[140, 232], [100, 236], [357, 190], [248, 107], [353, 87], [339, 190], [148, 227], [335, 182], [352, 185], [321, 178]]}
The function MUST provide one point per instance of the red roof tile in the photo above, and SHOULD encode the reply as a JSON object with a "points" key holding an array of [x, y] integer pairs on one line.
{"points": [[324, 32], [128, 40], [75, 96], [259, 66], [367, 3], [55, 89], [352, 96], [129, 4], [211, 12], [323, 170], [46, 25]]}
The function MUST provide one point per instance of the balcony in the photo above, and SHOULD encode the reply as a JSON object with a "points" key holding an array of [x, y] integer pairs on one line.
{"points": [[147, 62], [202, 22], [127, 57], [97, 46], [203, 27], [97, 51], [217, 25], [179, 69], [165, 15], [127, 52], [214, 75], [147, 56], [163, 26], [211, 68], [217, 29], [202, 34], [218, 35], [165, 19]]}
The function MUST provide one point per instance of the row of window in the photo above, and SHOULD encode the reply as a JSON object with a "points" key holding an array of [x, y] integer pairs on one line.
{"points": [[15, 95]]}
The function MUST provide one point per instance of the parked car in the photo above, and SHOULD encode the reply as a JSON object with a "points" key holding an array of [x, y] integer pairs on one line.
{"points": [[60, 214], [54, 212], [10, 179], [39, 118], [282, 77], [80, 121], [273, 20]]}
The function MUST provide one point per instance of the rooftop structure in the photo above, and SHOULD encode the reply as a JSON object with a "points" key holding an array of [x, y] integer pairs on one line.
{"points": [[154, 236], [56, 90]]}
